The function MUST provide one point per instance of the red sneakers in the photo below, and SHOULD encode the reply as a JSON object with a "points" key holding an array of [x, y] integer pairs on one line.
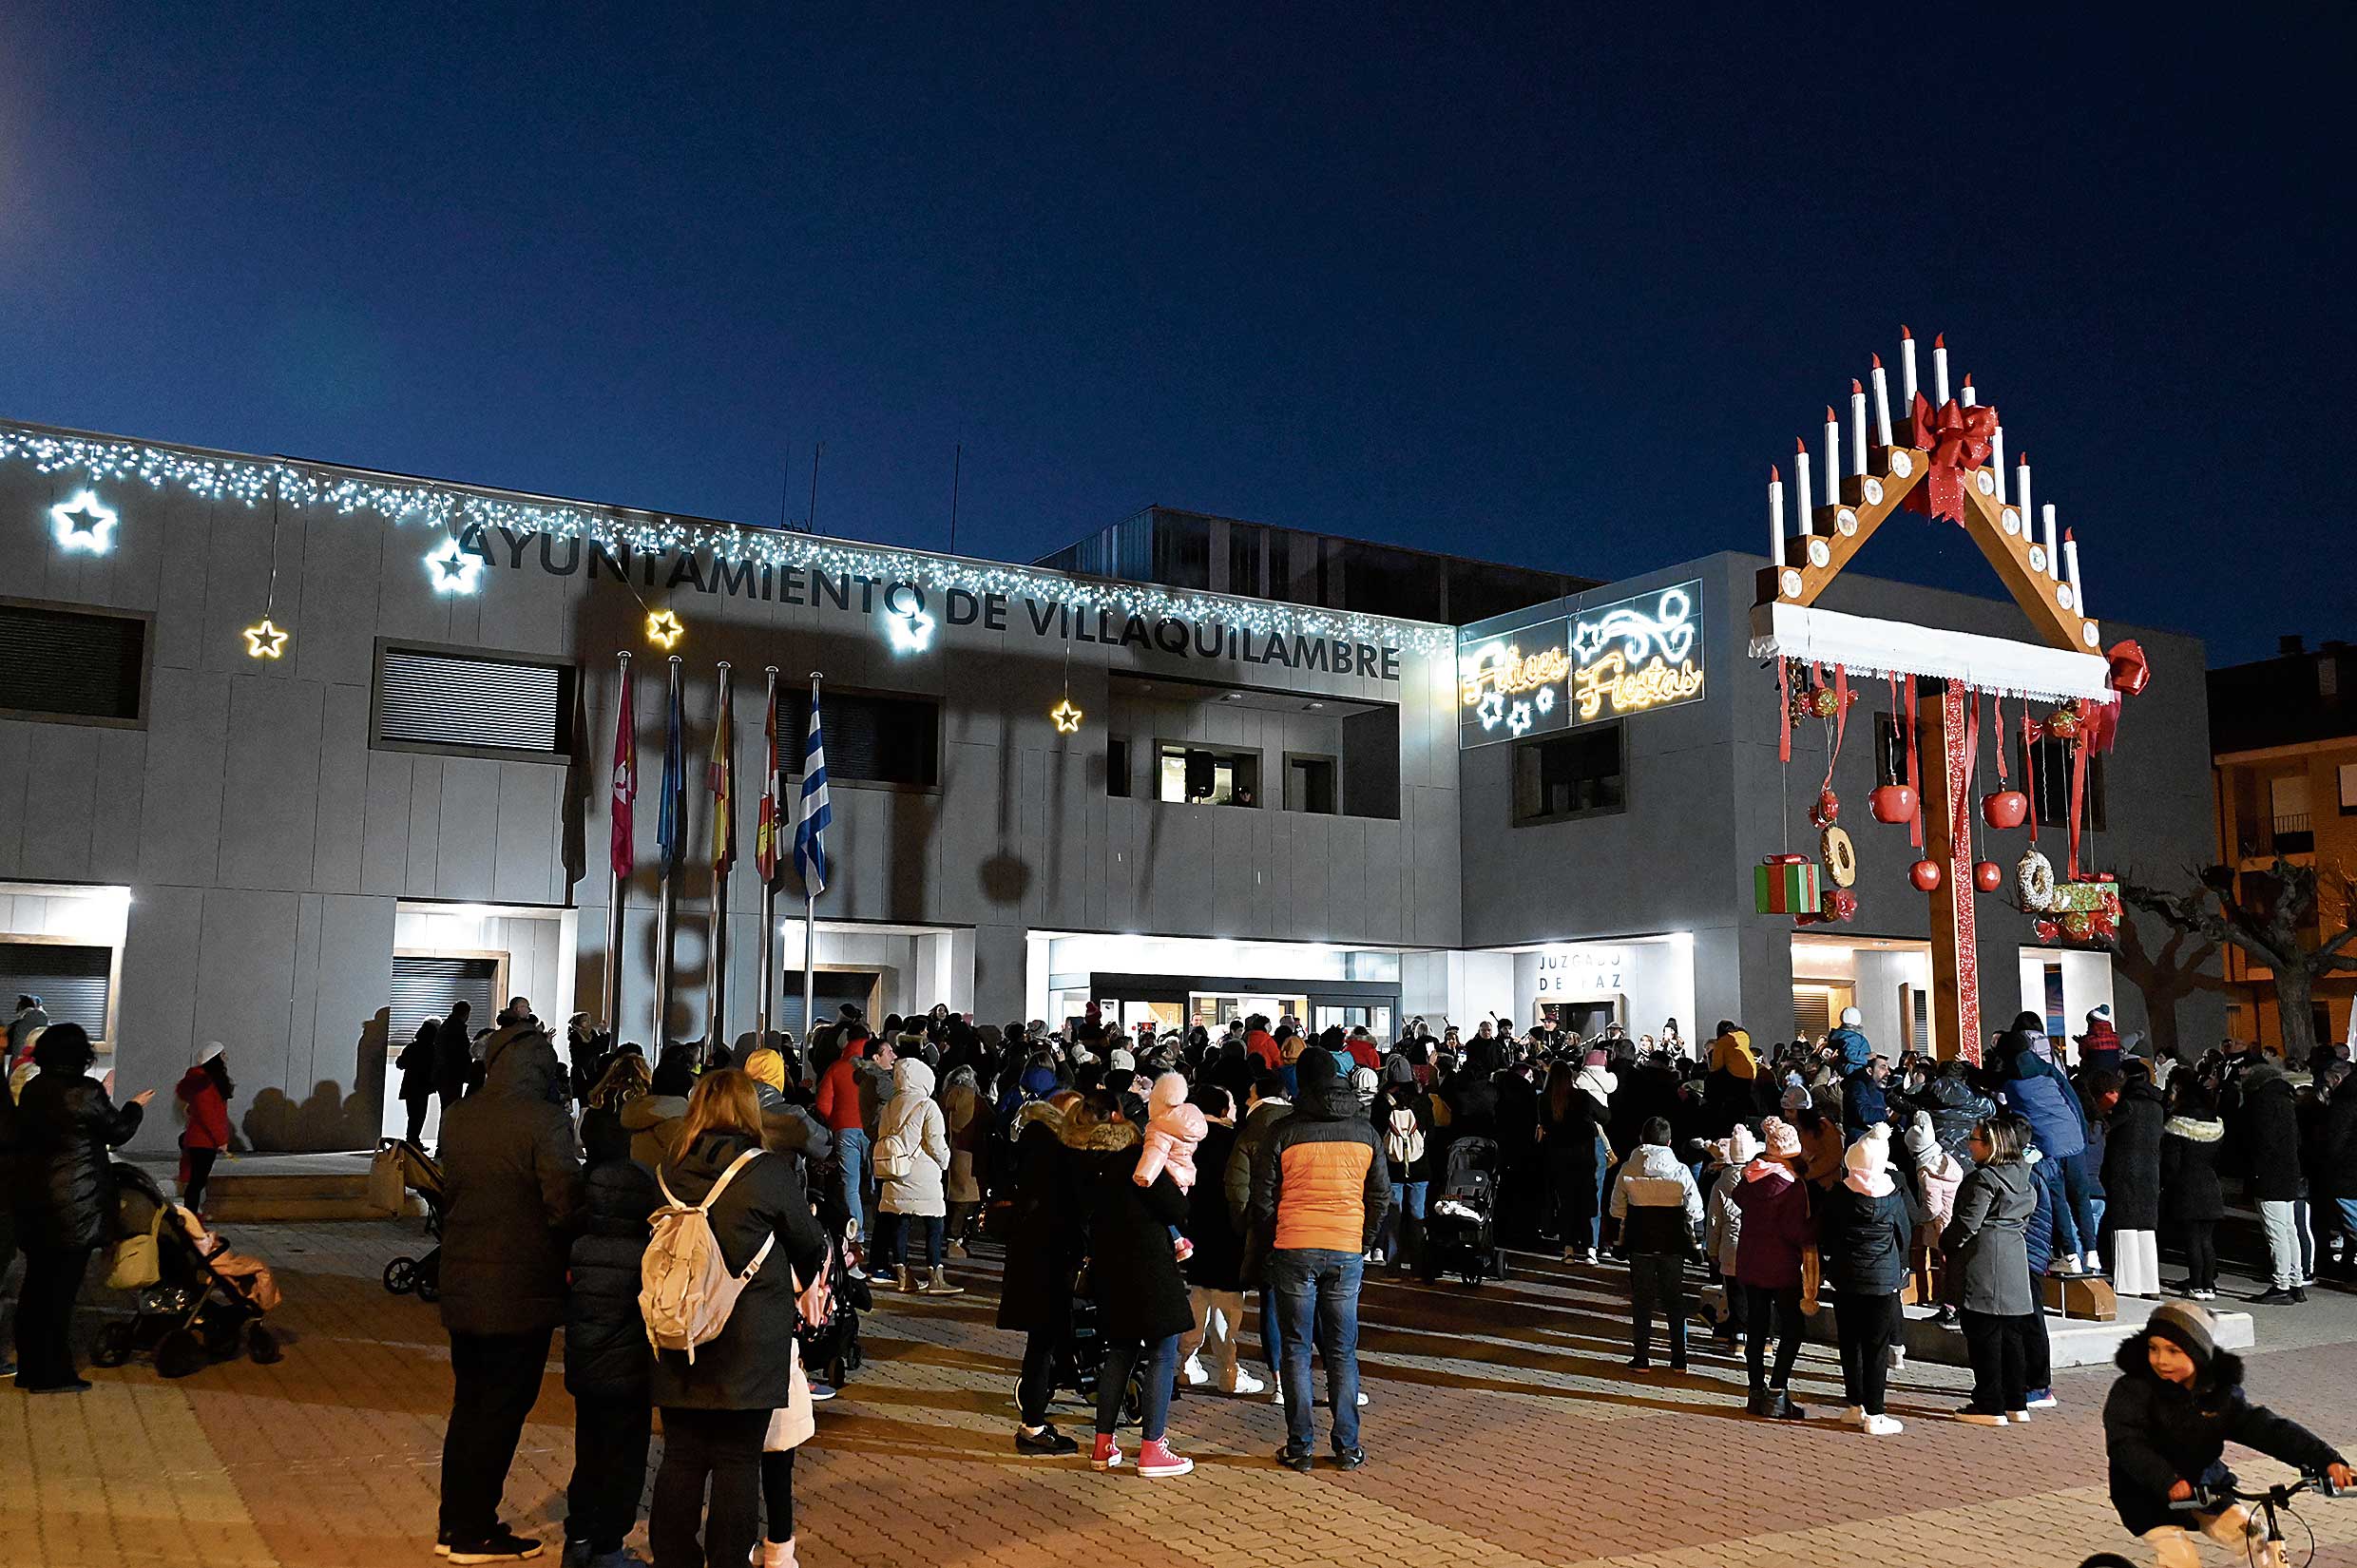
{"points": [[1105, 1456], [1154, 1459]]}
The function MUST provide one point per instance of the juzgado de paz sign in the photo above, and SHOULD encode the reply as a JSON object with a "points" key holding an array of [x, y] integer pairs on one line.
{"points": [[907, 611], [1630, 656]]}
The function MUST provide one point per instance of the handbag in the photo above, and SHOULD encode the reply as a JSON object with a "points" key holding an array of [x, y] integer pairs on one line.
{"points": [[1811, 1278]]}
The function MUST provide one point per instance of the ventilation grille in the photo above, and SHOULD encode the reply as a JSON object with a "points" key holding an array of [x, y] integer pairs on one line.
{"points": [[445, 700], [83, 666], [430, 987], [71, 982]]}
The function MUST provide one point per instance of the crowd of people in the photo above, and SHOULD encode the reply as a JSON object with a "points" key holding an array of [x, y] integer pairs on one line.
{"points": [[1145, 1184]]}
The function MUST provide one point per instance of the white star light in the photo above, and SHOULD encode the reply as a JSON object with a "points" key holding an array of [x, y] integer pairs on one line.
{"points": [[1546, 700], [1520, 719], [83, 523], [1491, 709], [909, 631], [453, 570]]}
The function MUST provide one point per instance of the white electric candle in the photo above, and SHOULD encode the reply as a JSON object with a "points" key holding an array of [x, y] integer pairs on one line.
{"points": [[2054, 548], [2070, 564], [1906, 369], [1997, 462], [1857, 427], [1939, 372], [1775, 517], [2021, 484], [1832, 458], [1882, 402], [1800, 474], [1971, 397]]}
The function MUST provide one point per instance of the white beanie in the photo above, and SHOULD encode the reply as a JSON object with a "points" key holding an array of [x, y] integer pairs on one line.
{"points": [[2103, 1014], [212, 1049], [1923, 1140], [1121, 1062], [1853, 1019]]}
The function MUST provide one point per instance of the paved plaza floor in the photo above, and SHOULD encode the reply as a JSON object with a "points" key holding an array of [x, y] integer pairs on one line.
{"points": [[1502, 1431]]}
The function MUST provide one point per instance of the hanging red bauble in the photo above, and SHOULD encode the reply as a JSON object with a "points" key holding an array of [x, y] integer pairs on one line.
{"points": [[2104, 926], [1841, 904], [1827, 811], [2047, 930], [1893, 803], [2064, 723], [1925, 875], [2079, 924], [2005, 809], [1988, 877], [1825, 702]]}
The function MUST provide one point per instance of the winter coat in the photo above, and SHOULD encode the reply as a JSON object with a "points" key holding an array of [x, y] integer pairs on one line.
{"points": [[1956, 1109], [1775, 1226], [749, 1365], [1935, 1185], [2190, 1189], [653, 1122], [838, 1091], [1733, 1088], [1821, 1150], [209, 1113], [788, 1129], [1864, 1103], [2336, 1143], [1656, 1200], [1723, 1238], [606, 1350], [2269, 1135], [911, 1120], [1251, 1138], [1133, 1270], [2132, 1141], [1173, 1132], [1853, 1046], [1984, 1242], [65, 1188], [2157, 1433], [2032, 1087], [1045, 1238], [1218, 1261], [1321, 1184], [1864, 1240], [453, 1059], [417, 1063], [511, 1183]]}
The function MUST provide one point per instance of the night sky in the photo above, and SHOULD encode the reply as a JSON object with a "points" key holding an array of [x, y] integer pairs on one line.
{"points": [[1552, 288]]}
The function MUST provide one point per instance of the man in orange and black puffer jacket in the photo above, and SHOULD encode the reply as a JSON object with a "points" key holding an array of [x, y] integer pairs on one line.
{"points": [[1319, 1190]]}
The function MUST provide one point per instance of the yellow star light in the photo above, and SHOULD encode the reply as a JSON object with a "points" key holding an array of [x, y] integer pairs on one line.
{"points": [[1067, 717], [266, 641], [664, 629]]}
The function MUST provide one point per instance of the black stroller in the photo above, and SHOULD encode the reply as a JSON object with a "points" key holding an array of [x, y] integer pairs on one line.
{"points": [[1083, 1361], [1459, 1228], [831, 1351], [193, 1301], [422, 1176]]}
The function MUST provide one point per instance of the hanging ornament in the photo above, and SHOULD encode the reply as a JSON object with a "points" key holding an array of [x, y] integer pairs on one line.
{"points": [[1925, 874], [664, 629], [2046, 929], [1840, 857], [2079, 924], [1824, 702], [1893, 803], [2064, 723], [1988, 877], [2005, 809], [1067, 717], [83, 524], [264, 640], [2034, 877], [1842, 903], [1827, 810], [453, 569]]}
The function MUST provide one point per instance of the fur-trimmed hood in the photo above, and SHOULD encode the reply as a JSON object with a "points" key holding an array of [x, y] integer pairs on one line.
{"points": [[1042, 1111], [2194, 1129], [1100, 1136]]}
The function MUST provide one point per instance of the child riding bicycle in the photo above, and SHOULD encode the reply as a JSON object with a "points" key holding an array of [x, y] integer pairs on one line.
{"points": [[2165, 1423]]}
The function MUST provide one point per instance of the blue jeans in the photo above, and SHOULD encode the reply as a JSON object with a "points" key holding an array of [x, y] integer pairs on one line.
{"points": [[850, 1148], [1595, 1214], [1406, 1202], [1156, 1364], [1316, 1293], [2078, 1207], [929, 1226]]}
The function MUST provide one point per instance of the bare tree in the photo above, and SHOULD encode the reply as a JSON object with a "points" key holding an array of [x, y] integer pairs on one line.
{"points": [[2165, 976], [2267, 922]]}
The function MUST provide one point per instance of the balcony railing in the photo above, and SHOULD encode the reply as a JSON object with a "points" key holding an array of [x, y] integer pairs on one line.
{"points": [[2289, 833]]}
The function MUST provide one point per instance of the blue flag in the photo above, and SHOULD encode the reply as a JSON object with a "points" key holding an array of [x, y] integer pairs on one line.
{"points": [[810, 827], [671, 826]]}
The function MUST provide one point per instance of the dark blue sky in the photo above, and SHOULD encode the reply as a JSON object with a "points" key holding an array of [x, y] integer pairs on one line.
{"points": [[1554, 288]]}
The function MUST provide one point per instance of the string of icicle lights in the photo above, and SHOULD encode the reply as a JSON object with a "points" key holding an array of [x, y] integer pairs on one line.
{"points": [[443, 509]]}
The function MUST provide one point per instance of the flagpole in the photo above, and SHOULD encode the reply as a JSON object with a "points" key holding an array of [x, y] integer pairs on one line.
{"points": [[617, 887], [724, 764], [810, 906], [765, 939], [664, 910]]}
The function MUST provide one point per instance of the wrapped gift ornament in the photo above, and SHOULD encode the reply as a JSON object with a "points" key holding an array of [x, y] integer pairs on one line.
{"points": [[1786, 884]]}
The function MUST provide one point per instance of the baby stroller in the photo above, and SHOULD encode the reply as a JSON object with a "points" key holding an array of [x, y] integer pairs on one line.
{"points": [[1083, 1361], [831, 1351], [422, 1176], [1460, 1229], [193, 1301]]}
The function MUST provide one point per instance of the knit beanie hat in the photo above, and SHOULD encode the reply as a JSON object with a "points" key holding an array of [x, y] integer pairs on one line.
{"points": [[1121, 1062], [1867, 1162], [1169, 1090], [1364, 1083], [1923, 1140], [212, 1049], [1740, 1147], [1597, 1056], [1853, 1019], [2188, 1326], [1783, 1142]]}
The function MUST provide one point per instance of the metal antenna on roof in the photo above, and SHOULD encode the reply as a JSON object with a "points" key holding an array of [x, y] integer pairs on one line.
{"points": [[957, 467], [818, 450]]}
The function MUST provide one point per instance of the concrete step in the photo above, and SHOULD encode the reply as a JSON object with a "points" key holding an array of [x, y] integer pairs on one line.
{"points": [[281, 1187]]}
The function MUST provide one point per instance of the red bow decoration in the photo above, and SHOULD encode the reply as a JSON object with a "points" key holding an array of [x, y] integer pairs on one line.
{"points": [[2130, 675], [1958, 438]]}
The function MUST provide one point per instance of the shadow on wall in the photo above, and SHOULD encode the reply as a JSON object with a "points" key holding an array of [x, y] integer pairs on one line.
{"points": [[328, 1119]]}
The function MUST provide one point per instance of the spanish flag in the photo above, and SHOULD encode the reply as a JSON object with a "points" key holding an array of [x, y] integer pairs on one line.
{"points": [[765, 833], [722, 778]]}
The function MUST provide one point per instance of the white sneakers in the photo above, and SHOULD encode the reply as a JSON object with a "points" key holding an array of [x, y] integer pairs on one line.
{"points": [[1245, 1384], [1195, 1372], [1883, 1425]]}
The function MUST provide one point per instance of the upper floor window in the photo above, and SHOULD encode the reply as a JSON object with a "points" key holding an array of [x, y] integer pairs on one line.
{"points": [[1583, 773], [79, 666], [445, 701]]}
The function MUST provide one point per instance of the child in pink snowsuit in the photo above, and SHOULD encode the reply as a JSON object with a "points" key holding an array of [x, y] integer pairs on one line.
{"points": [[1174, 1128]]}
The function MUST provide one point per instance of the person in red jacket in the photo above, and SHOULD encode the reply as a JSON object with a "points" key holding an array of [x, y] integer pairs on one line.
{"points": [[205, 1091], [838, 1108], [1260, 1045]]}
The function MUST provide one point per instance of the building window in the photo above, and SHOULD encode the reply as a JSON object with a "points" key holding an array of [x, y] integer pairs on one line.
{"points": [[1244, 542], [2045, 774], [1116, 767], [1581, 774], [70, 980], [2348, 789], [1310, 785], [80, 666], [873, 739], [428, 988], [1193, 775], [438, 700]]}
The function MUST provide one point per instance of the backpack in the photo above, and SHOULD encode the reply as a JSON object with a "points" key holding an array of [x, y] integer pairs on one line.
{"points": [[1403, 1148], [685, 1290]]}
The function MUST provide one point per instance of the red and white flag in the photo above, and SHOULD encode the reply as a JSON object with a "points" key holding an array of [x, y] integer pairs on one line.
{"points": [[766, 830], [625, 844]]}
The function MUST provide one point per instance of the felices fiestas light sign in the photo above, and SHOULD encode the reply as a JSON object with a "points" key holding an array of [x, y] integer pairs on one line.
{"points": [[1630, 656]]}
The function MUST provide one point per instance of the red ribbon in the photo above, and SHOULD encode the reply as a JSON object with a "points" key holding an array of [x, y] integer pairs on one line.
{"points": [[1958, 438], [1841, 721], [2079, 799], [2029, 768], [1914, 780], [1784, 708], [1959, 821], [2128, 675], [1997, 716]]}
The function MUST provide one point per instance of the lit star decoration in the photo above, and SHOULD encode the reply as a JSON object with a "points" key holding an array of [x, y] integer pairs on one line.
{"points": [[1491, 710], [405, 502], [1520, 718], [664, 629], [909, 631], [83, 523], [1546, 700], [1067, 717], [453, 570], [266, 641]]}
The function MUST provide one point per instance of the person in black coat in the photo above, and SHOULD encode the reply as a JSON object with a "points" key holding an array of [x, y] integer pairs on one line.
{"points": [[2268, 1136], [716, 1407], [1133, 1275], [65, 1124], [2192, 1198], [2332, 1161], [510, 1176], [453, 1056], [1519, 1205], [417, 1073], [2132, 1137], [608, 1367], [1215, 1270], [1571, 1126], [1045, 1241], [1863, 1226]]}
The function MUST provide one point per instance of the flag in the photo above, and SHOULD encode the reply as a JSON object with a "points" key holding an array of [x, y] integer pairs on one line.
{"points": [[671, 826], [721, 779], [574, 851], [810, 831], [622, 851], [766, 824]]}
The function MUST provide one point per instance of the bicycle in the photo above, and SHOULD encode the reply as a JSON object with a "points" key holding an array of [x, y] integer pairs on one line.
{"points": [[2265, 1550]]}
